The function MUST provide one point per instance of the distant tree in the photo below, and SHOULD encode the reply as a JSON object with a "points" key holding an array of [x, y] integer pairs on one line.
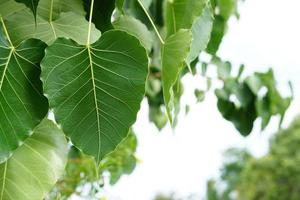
{"points": [[273, 176]]}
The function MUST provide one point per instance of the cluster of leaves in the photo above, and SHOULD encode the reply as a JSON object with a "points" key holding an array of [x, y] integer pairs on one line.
{"points": [[89, 62], [243, 100], [273, 176]]}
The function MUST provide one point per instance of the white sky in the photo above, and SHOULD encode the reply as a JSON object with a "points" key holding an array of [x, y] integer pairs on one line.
{"points": [[267, 35]]}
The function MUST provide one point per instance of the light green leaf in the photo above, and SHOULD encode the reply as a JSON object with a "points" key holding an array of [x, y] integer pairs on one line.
{"points": [[95, 90], [174, 53], [181, 14], [57, 7], [22, 104], [201, 30], [70, 25], [9, 7], [135, 28], [34, 167]]}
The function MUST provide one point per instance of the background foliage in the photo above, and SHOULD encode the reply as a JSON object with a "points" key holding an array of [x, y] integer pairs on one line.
{"points": [[273, 176]]}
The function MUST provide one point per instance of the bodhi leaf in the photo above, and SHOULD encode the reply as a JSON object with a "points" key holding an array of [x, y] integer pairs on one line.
{"points": [[9, 7], [34, 167], [135, 28], [173, 54], [181, 14], [201, 30], [95, 90], [32, 4], [22, 104], [71, 25]]}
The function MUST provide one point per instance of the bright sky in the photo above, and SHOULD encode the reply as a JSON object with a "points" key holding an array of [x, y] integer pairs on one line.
{"points": [[267, 35]]}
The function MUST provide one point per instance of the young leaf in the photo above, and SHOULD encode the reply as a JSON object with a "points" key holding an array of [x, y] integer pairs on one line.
{"points": [[34, 167], [22, 104], [71, 25], [95, 90], [32, 4], [173, 54], [135, 28], [181, 14]]}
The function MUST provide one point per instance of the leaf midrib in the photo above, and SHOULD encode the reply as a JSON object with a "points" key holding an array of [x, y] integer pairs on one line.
{"points": [[95, 101]]}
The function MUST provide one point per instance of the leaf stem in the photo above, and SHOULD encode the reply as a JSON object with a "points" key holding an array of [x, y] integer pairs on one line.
{"points": [[90, 22], [151, 21]]}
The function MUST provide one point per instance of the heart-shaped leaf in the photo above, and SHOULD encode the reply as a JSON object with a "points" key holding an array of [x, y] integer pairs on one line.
{"points": [[95, 90], [34, 167], [22, 104], [174, 52]]}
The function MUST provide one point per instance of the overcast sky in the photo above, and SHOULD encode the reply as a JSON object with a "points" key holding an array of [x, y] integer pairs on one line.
{"points": [[267, 35]]}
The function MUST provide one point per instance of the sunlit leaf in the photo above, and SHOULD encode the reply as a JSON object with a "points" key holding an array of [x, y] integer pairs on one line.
{"points": [[34, 167]]}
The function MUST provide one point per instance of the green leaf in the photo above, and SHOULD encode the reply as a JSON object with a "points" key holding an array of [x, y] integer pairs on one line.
{"points": [[34, 167], [9, 7], [181, 14], [22, 26], [22, 104], [102, 13], [32, 4], [135, 28], [173, 54], [59, 6], [95, 90], [201, 30]]}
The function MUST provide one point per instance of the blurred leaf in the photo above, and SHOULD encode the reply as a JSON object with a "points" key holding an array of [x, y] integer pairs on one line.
{"points": [[200, 95]]}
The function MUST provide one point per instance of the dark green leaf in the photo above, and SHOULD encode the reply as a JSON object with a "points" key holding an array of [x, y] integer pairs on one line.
{"points": [[95, 90]]}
